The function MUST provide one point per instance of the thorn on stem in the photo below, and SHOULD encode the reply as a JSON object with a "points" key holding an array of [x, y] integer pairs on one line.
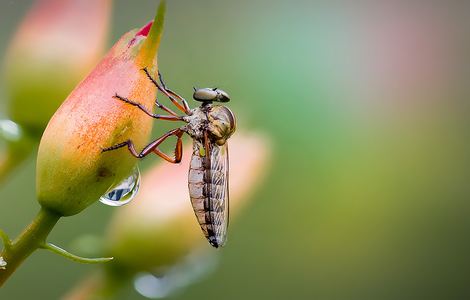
{"points": [[57, 250], [6, 241]]}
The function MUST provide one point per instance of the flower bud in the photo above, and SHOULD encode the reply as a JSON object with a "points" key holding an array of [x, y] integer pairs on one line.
{"points": [[56, 45], [72, 170], [159, 228]]}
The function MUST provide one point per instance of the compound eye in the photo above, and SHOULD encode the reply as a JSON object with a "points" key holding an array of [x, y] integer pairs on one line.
{"points": [[206, 94], [222, 96]]}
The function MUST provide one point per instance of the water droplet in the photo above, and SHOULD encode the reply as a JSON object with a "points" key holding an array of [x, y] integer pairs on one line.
{"points": [[175, 279], [124, 192]]}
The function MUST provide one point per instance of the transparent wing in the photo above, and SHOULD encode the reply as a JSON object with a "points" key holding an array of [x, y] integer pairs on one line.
{"points": [[217, 192]]}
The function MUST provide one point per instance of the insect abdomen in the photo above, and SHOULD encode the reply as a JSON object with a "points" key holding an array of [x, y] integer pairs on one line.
{"points": [[207, 190]]}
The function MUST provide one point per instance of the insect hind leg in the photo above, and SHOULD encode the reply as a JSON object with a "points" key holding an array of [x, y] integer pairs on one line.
{"points": [[130, 146], [153, 147]]}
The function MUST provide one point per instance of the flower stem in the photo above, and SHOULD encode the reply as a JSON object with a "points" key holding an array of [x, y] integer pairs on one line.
{"points": [[30, 239]]}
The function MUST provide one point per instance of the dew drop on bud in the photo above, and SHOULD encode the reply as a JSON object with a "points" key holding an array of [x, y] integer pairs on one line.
{"points": [[123, 193]]}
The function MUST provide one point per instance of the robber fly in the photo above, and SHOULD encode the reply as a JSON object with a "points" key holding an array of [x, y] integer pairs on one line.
{"points": [[210, 126]]}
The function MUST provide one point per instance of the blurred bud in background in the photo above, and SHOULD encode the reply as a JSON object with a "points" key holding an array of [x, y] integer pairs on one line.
{"points": [[56, 45], [15, 146], [72, 170], [156, 240]]}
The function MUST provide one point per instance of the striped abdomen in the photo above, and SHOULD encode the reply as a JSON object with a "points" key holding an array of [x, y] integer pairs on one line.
{"points": [[208, 189]]}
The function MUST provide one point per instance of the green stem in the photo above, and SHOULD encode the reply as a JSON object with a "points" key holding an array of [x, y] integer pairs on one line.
{"points": [[32, 238]]}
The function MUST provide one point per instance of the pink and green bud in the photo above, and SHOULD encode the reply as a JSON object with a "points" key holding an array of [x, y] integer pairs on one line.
{"points": [[72, 171]]}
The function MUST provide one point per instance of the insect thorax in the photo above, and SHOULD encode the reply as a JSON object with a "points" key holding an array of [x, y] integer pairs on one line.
{"points": [[218, 120], [196, 123]]}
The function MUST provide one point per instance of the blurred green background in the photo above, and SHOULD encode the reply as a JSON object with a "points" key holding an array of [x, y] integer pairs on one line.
{"points": [[367, 106]]}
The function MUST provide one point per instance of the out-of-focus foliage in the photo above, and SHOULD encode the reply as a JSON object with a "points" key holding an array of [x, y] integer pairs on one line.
{"points": [[367, 195]]}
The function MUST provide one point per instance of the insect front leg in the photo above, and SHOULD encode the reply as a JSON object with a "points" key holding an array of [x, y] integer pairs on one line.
{"points": [[184, 108], [169, 93], [153, 147], [158, 104]]}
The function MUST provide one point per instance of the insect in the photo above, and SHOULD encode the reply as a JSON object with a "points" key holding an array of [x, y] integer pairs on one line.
{"points": [[209, 125]]}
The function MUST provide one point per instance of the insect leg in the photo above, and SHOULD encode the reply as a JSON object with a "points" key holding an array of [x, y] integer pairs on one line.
{"points": [[184, 108], [178, 154], [145, 110], [168, 91], [153, 147], [158, 104]]}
